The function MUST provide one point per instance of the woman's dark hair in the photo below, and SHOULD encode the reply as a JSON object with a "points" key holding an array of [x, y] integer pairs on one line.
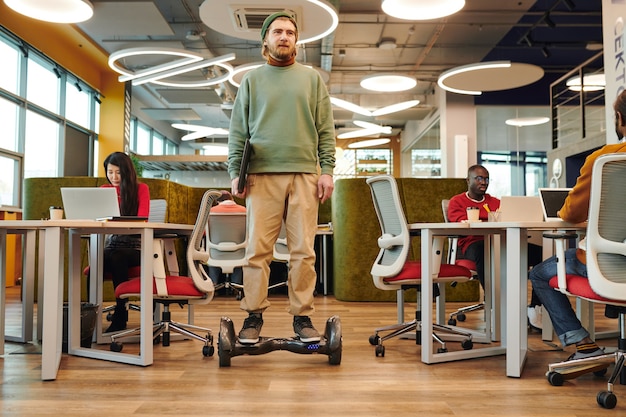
{"points": [[128, 186]]}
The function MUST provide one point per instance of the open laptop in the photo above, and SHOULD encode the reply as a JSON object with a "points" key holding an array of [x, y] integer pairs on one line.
{"points": [[520, 209], [89, 203], [552, 200]]}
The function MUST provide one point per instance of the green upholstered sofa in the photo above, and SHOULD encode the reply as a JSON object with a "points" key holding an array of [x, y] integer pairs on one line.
{"points": [[183, 203], [356, 230]]}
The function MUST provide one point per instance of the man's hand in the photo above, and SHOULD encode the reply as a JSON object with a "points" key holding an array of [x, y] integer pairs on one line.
{"points": [[234, 184], [325, 187]]}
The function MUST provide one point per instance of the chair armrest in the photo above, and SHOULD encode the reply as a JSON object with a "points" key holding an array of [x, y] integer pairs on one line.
{"points": [[387, 241], [561, 235], [227, 246]]}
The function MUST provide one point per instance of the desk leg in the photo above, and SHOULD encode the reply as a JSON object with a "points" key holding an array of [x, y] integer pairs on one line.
{"points": [[28, 286], [426, 290], [516, 296], [146, 296], [52, 303]]}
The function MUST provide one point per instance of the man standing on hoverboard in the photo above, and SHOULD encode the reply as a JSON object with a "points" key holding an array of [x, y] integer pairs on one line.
{"points": [[284, 108]]}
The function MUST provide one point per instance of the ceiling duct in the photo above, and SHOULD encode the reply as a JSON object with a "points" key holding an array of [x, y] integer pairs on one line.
{"points": [[249, 19]]}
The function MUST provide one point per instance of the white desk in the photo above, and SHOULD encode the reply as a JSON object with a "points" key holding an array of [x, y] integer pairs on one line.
{"points": [[53, 274], [512, 280], [430, 231]]}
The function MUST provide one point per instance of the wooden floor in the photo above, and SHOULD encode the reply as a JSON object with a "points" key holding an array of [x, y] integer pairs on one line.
{"points": [[182, 382]]}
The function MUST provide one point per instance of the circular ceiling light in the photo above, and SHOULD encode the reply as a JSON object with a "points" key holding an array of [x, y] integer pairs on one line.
{"points": [[474, 79], [388, 82], [421, 9], [527, 121], [369, 143], [591, 82], [59, 11]]}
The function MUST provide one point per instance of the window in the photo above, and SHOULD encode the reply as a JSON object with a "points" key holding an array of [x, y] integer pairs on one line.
{"points": [[42, 85], [142, 146], [10, 68], [513, 173], [77, 104], [9, 123], [41, 150], [10, 172]]}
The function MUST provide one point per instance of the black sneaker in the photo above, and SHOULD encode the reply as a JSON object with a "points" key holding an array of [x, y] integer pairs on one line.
{"points": [[304, 329], [580, 355], [251, 329]]}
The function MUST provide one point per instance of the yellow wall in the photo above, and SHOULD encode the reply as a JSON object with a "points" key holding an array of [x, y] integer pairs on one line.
{"points": [[70, 48]]}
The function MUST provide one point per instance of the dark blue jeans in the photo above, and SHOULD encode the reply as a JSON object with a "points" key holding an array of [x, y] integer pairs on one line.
{"points": [[566, 324]]}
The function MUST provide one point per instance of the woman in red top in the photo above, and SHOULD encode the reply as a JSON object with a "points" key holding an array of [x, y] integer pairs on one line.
{"points": [[123, 251]]}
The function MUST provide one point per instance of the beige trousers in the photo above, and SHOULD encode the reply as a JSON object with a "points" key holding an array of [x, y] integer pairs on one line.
{"points": [[272, 198]]}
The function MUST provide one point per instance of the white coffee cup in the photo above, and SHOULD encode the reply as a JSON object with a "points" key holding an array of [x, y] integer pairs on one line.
{"points": [[473, 214], [56, 213]]}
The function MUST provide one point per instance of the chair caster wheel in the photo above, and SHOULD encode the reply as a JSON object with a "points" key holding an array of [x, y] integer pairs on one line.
{"points": [[461, 317], [451, 322], [116, 347], [442, 350], [374, 339], [606, 399], [380, 351], [467, 344], [555, 379], [109, 317], [208, 350]]}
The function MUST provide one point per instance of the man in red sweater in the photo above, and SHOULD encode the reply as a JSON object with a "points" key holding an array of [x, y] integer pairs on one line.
{"points": [[473, 247]]}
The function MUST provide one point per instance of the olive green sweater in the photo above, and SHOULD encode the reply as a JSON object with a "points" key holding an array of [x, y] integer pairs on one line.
{"points": [[287, 114]]}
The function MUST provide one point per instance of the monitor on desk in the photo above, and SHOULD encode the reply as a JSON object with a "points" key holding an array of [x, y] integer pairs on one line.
{"points": [[552, 200], [89, 203]]}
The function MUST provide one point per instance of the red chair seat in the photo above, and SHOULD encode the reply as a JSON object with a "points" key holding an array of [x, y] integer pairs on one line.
{"points": [[466, 263], [176, 286], [579, 286], [412, 270]]}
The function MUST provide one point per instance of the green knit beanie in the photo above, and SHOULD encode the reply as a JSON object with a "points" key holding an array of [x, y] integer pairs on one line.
{"points": [[269, 19]]}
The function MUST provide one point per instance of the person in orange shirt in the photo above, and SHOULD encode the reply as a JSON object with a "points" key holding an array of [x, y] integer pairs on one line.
{"points": [[575, 210]]}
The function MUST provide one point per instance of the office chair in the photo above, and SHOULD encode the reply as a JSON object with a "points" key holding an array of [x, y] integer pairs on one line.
{"points": [[392, 271], [198, 288], [227, 239], [459, 314], [606, 266], [158, 211]]}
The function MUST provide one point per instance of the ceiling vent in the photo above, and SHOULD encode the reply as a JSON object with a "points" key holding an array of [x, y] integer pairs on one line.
{"points": [[249, 19]]}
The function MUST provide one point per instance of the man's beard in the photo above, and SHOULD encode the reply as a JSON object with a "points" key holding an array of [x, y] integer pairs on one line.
{"points": [[280, 54]]}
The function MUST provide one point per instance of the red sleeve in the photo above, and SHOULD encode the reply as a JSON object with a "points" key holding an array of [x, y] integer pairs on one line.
{"points": [[143, 195], [457, 208]]}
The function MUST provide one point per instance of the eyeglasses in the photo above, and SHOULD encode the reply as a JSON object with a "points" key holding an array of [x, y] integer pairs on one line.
{"points": [[480, 178]]}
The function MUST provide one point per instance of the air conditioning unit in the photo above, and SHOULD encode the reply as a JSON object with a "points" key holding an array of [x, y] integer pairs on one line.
{"points": [[250, 19]]}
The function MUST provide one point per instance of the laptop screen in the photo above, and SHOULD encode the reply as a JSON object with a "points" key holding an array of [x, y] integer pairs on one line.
{"points": [[89, 203], [552, 200]]}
